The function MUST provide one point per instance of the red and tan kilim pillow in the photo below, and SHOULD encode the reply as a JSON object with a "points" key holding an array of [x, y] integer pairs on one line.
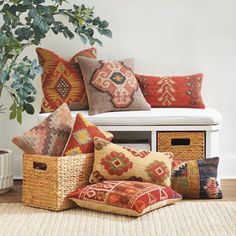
{"points": [[114, 162], [50, 136], [130, 198], [82, 135], [172, 91], [62, 80]]}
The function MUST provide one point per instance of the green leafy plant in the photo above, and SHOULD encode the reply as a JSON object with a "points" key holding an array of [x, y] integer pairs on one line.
{"points": [[26, 23]]}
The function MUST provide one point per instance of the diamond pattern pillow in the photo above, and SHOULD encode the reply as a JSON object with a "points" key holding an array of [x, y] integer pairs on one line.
{"points": [[50, 136], [111, 86], [114, 162], [124, 197], [81, 137], [196, 178], [62, 80], [172, 91]]}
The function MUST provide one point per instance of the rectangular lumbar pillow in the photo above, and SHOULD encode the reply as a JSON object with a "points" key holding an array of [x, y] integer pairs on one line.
{"points": [[50, 136], [82, 135], [130, 198], [114, 162], [62, 80], [111, 86], [196, 178], [172, 91]]}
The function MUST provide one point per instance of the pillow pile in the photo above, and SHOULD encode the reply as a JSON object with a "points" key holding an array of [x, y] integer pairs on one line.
{"points": [[119, 179], [107, 86]]}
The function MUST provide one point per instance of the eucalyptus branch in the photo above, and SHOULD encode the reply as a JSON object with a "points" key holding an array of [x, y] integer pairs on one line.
{"points": [[26, 23]]}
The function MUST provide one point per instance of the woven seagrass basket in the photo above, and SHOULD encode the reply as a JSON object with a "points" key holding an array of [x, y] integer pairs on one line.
{"points": [[48, 180], [188, 145]]}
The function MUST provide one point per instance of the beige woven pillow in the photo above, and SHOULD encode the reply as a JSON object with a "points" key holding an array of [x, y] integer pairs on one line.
{"points": [[111, 86], [114, 162]]}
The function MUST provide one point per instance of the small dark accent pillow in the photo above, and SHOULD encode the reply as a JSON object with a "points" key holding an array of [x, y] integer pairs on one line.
{"points": [[196, 178]]}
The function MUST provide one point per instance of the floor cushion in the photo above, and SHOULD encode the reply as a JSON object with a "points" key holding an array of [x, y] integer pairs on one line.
{"points": [[130, 198]]}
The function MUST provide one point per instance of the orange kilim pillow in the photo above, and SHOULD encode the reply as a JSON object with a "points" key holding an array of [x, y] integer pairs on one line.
{"points": [[62, 80]]}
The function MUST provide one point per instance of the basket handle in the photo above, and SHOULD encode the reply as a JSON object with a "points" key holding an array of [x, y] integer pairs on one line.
{"points": [[39, 165], [180, 141]]}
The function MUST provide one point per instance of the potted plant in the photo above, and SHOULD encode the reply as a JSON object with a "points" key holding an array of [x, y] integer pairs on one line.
{"points": [[26, 23], [6, 174]]}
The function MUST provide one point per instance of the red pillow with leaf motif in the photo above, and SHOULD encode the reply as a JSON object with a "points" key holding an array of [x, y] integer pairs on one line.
{"points": [[172, 91]]}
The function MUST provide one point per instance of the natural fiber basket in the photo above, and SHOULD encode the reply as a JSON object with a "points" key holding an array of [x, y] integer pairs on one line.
{"points": [[188, 145], [48, 180]]}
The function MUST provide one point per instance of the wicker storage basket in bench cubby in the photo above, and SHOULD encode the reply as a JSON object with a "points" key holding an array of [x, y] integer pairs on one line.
{"points": [[48, 180], [188, 145]]}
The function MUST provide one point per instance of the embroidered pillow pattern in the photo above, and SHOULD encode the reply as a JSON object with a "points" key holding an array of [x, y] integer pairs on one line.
{"points": [[111, 86], [62, 80], [196, 178], [124, 197], [173, 91], [114, 162], [81, 137], [50, 136]]}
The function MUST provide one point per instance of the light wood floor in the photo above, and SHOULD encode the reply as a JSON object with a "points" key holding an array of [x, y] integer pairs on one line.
{"points": [[228, 187]]}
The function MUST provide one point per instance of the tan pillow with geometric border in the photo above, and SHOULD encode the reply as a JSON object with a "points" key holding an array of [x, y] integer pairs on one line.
{"points": [[114, 162]]}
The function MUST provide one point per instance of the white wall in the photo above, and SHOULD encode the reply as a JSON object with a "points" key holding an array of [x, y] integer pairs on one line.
{"points": [[166, 37]]}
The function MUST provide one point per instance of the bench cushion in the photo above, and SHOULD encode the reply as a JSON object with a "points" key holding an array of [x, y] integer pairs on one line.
{"points": [[154, 117]]}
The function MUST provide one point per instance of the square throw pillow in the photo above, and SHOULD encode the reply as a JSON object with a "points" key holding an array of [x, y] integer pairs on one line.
{"points": [[172, 91], [50, 136], [111, 86], [114, 162], [130, 198], [62, 80], [196, 178], [82, 135]]}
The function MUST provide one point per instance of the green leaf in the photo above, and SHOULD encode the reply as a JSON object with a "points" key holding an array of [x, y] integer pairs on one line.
{"points": [[13, 114], [41, 25], [32, 13], [96, 21], [104, 24], [23, 33], [13, 106], [29, 108], [4, 76], [27, 2], [38, 1], [83, 38], [107, 33], [30, 99], [19, 114], [99, 42]]}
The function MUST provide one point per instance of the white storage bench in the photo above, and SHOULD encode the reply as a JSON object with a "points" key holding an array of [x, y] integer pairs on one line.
{"points": [[188, 133]]}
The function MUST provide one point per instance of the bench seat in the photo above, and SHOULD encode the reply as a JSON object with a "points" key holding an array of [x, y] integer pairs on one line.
{"points": [[154, 117]]}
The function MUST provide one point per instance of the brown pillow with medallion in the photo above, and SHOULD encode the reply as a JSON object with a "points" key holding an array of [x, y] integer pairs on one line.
{"points": [[111, 86]]}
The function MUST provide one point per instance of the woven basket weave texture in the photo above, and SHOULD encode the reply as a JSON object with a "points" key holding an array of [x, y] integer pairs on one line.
{"points": [[184, 145], [48, 180]]}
